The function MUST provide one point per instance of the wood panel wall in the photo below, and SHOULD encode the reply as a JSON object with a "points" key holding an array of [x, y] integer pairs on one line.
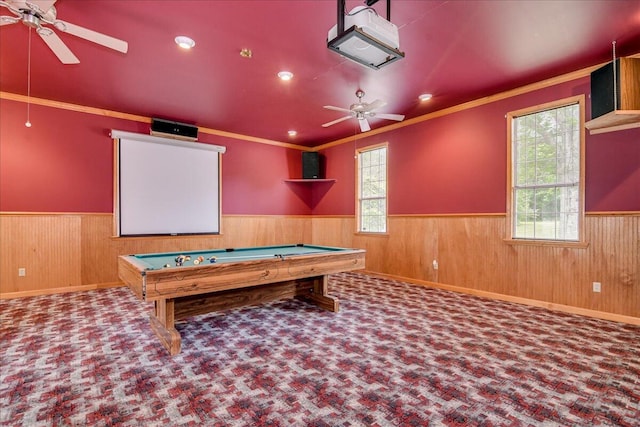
{"points": [[46, 246], [472, 254], [71, 252], [79, 252]]}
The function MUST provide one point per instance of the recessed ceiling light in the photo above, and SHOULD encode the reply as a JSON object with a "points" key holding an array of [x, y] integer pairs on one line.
{"points": [[292, 133], [285, 75], [425, 97], [185, 42]]}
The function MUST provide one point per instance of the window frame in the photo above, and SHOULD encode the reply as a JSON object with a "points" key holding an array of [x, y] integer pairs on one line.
{"points": [[510, 210], [358, 197]]}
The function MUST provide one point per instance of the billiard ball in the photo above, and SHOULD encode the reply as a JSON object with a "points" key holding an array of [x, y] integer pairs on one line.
{"points": [[167, 265], [212, 259]]}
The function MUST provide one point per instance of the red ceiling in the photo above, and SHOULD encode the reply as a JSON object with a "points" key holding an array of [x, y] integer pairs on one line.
{"points": [[457, 50]]}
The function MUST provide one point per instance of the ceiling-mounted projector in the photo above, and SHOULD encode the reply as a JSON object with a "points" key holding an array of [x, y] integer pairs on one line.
{"points": [[369, 39]]}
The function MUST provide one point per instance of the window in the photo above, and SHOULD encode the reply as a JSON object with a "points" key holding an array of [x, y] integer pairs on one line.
{"points": [[546, 197], [372, 189]]}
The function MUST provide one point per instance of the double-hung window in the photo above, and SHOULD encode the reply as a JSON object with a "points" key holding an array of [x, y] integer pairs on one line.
{"points": [[372, 189], [546, 172]]}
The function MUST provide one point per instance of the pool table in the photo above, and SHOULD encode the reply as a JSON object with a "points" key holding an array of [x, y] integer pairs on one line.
{"points": [[185, 284]]}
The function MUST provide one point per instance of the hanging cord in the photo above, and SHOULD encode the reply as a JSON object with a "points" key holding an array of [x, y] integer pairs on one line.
{"points": [[355, 139], [28, 122], [615, 83]]}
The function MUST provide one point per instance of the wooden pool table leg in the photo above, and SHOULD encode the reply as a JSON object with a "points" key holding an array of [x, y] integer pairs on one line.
{"points": [[320, 295], [163, 324]]}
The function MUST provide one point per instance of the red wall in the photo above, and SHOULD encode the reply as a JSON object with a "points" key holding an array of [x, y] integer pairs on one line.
{"points": [[64, 163], [452, 164], [339, 197], [457, 163], [253, 180], [613, 171]]}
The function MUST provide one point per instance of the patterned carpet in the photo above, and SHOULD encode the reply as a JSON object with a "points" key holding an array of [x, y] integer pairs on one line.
{"points": [[395, 355]]}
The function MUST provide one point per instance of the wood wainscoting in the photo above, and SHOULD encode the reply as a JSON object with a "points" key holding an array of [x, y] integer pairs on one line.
{"points": [[48, 247], [69, 252], [78, 251], [471, 254]]}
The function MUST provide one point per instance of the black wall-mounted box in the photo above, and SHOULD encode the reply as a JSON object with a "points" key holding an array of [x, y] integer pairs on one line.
{"points": [[161, 127], [311, 167], [627, 87]]}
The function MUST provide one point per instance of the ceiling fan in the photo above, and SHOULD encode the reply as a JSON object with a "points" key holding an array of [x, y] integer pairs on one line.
{"points": [[362, 110], [39, 13]]}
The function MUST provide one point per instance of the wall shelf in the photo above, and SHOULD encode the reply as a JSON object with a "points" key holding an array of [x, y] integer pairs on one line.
{"points": [[310, 194], [613, 121], [310, 180]]}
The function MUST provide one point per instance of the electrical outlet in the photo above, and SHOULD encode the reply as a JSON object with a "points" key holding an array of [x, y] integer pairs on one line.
{"points": [[22, 272], [435, 264], [597, 287]]}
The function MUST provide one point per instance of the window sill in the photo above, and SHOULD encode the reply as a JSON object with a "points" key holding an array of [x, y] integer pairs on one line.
{"points": [[553, 243], [371, 234]]}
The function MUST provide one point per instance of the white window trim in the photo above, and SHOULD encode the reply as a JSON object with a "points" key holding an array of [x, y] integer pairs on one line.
{"points": [[580, 243], [358, 213]]}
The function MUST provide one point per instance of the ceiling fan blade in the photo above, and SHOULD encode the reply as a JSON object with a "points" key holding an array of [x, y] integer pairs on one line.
{"points": [[341, 119], [331, 107], [11, 7], [398, 117], [40, 6], [364, 125], [92, 36], [374, 105], [58, 47], [8, 20]]}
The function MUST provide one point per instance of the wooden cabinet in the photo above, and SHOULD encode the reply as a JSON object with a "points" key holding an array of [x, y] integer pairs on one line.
{"points": [[615, 96]]}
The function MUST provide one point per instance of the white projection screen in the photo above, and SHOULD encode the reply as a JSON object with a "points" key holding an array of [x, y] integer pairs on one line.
{"points": [[166, 186]]}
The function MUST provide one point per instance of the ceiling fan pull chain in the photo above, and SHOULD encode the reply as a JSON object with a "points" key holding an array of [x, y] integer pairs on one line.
{"points": [[28, 122]]}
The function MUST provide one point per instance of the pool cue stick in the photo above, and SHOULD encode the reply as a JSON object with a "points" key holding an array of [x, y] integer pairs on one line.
{"points": [[224, 258]]}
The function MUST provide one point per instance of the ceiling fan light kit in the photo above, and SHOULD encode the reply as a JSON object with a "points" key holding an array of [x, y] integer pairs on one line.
{"points": [[370, 40]]}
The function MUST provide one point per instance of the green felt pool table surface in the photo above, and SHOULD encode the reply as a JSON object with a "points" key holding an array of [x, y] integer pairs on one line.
{"points": [[156, 261]]}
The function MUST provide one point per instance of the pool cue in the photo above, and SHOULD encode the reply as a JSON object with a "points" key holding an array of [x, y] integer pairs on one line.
{"points": [[224, 258]]}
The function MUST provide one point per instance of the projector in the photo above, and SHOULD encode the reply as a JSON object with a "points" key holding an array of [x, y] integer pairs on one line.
{"points": [[371, 23], [366, 38]]}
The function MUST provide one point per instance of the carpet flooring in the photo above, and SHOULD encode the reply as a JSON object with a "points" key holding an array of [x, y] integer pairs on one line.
{"points": [[396, 354]]}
